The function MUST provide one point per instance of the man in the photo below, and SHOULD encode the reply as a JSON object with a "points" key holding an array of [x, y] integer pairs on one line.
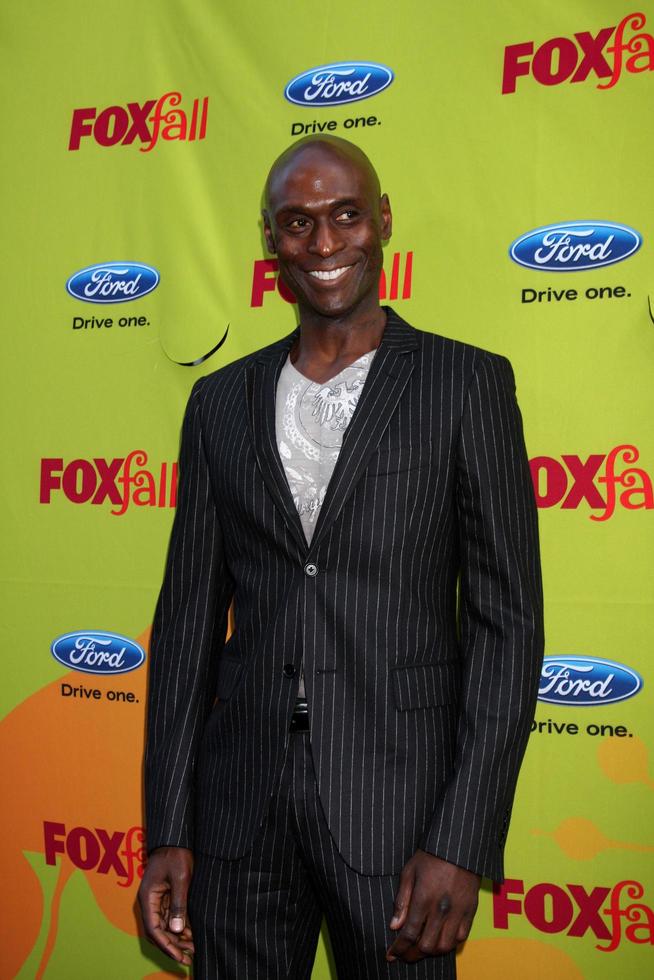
{"points": [[360, 489]]}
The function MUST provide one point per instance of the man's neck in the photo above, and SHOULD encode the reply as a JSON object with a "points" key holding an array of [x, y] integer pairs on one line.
{"points": [[327, 345]]}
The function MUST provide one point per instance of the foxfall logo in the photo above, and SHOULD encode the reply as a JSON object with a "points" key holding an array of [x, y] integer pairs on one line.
{"points": [[338, 84], [113, 282], [564, 59], [610, 914], [573, 480], [145, 121], [117, 852], [575, 246], [396, 285], [586, 681], [123, 480], [96, 652]]}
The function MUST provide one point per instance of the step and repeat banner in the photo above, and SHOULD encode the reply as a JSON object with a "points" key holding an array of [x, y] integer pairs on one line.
{"points": [[514, 141]]}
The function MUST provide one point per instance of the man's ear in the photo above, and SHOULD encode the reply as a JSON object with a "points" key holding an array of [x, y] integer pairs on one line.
{"points": [[386, 218], [267, 231]]}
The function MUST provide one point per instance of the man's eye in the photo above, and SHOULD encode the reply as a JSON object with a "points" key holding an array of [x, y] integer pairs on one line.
{"points": [[297, 224], [346, 215]]}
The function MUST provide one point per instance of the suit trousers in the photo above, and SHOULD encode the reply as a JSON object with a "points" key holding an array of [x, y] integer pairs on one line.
{"points": [[259, 916]]}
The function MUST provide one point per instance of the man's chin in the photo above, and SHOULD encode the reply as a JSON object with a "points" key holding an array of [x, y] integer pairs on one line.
{"points": [[333, 313]]}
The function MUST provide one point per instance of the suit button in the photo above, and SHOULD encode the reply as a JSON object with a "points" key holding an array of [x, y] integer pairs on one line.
{"points": [[311, 570], [289, 670]]}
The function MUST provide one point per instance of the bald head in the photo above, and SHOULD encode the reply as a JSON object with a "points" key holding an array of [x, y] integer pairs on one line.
{"points": [[311, 151], [326, 221]]}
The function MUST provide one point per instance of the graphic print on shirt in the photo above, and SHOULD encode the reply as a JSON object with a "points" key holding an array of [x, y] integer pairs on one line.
{"points": [[313, 419]]}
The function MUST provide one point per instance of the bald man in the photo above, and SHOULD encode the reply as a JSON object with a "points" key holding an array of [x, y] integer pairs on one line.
{"points": [[360, 491]]}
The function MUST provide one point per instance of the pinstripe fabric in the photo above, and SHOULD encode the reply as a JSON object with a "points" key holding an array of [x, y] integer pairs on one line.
{"points": [[259, 916], [420, 696]]}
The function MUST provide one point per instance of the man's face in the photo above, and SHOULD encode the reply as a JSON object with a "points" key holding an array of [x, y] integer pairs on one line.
{"points": [[326, 222]]}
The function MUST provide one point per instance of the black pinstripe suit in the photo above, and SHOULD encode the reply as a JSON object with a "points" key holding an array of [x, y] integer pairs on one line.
{"points": [[420, 696]]}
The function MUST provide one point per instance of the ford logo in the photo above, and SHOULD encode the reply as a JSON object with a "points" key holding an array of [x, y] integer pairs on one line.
{"points": [[338, 84], [96, 652], [583, 681], [113, 282], [573, 246]]}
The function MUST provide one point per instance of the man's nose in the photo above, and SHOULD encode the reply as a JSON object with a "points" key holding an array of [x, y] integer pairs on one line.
{"points": [[325, 239]]}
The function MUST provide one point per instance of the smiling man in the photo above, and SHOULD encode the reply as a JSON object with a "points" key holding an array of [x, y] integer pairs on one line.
{"points": [[360, 491]]}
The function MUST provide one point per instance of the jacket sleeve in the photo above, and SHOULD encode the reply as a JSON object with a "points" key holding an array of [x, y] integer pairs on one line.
{"points": [[187, 638], [500, 621]]}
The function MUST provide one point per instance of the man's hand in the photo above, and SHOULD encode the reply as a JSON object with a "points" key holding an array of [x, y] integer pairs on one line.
{"points": [[162, 897], [434, 907]]}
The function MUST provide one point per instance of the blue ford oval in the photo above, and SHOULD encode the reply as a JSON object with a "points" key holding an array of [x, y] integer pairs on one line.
{"points": [[97, 652], [113, 282], [584, 681], [575, 246], [338, 84]]}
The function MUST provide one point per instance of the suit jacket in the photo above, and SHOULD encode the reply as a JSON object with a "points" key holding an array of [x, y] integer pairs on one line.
{"points": [[416, 611]]}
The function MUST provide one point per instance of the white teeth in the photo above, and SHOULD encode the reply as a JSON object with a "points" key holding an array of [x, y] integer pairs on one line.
{"points": [[333, 274]]}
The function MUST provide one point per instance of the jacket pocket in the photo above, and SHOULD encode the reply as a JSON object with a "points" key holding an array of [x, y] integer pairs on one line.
{"points": [[399, 459], [229, 671], [425, 685]]}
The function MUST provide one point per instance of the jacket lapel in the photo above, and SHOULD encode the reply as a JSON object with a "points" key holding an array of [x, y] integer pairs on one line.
{"points": [[388, 375], [261, 377], [387, 378]]}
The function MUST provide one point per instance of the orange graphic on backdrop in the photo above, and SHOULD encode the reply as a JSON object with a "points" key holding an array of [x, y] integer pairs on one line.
{"points": [[74, 762], [582, 840], [495, 959], [624, 762], [621, 762]]}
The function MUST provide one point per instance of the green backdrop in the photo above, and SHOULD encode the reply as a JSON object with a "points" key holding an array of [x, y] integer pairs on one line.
{"points": [[93, 409]]}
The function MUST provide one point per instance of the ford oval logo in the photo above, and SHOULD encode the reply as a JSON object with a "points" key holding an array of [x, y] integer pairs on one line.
{"points": [[96, 652], [113, 282], [574, 246], [338, 84], [583, 681]]}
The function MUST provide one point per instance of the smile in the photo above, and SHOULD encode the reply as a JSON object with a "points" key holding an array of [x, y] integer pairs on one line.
{"points": [[331, 274]]}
